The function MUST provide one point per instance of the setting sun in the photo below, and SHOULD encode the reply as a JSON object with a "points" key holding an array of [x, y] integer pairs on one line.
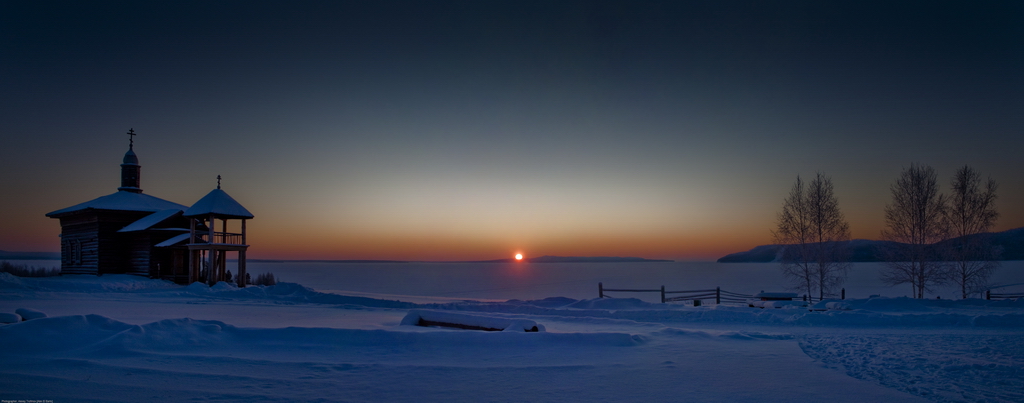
{"points": [[519, 256]]}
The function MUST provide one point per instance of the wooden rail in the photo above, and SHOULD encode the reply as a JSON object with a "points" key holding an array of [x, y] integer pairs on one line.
{"points": [[601, 290], [686, 295], [720, 295], [989, 295], [228, 238]]}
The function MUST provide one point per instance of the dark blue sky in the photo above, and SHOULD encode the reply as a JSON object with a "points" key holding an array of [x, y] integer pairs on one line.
{"points": [[448, 130]]}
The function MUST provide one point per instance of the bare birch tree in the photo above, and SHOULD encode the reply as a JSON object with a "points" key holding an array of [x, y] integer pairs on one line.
{"points": [[971, 214], [794, 233], [816, 235], [831, 236], [915, 220]]}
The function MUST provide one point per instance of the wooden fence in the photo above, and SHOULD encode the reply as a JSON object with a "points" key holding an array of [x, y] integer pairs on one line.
{"points": [[717, 294], [686, 295], [991, 295]]}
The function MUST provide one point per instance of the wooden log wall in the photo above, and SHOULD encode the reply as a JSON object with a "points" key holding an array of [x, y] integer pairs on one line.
{"points": [[79, 233], [139, 252]]}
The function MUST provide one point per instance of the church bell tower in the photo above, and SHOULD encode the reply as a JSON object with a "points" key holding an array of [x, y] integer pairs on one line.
{"points": [[130, 169]]}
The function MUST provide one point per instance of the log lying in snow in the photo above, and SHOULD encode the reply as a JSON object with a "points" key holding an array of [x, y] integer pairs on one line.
{"points": [[469, 322]]}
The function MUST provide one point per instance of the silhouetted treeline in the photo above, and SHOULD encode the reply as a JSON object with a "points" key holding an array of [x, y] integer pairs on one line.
{"points": [[28, 271]]}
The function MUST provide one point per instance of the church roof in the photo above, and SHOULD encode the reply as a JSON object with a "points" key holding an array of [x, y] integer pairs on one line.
{"points": [[130, 158], [122, 201], [218, 203], [173, 241], [149, 221]]}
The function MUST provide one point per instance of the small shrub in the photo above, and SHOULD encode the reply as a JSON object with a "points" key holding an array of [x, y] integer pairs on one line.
{"points": [[28, 271], [265, 279]]}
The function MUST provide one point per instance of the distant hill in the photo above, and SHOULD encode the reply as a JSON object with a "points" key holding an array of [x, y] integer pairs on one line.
{"points": [[5, 255], [1012, 242], [864, 250]]}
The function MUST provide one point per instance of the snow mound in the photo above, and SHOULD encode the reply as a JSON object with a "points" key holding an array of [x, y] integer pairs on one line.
{"points": [[838, 305], [286, 292], [469, 322], [732, 335], [55, 335], [550, 302], [29, 314], [614, 304], [8, 280], [905, 304], [783, 304], [901, 304], [86, 283], [830, 304], [99, 337], [223, 285], [9, 318]]}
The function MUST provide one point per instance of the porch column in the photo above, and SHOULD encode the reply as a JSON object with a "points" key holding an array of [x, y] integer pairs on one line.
{"points": [[191, 252], [241, 268], [211, 267]]}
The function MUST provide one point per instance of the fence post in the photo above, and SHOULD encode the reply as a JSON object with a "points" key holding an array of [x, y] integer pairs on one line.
{"points": [[718, 295], [844, 293], [600, 290], [662, 294], [988, 294]]}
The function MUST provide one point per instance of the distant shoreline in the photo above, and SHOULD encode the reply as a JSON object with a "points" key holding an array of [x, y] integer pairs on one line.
{"points": [[542, 259], [321, 261], [5, 255]]}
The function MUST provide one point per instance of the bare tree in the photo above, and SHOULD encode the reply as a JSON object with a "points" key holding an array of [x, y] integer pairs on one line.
{"points": [[794, 233], [971, 214], [816, 236], [915, 220], [831, 236]]}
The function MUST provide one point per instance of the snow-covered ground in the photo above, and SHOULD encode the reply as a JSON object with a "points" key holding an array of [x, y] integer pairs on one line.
{"points": [[124, 338]]}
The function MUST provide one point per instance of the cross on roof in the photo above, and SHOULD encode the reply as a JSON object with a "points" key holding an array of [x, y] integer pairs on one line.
{"points": [[131, 138], [218, 181]]}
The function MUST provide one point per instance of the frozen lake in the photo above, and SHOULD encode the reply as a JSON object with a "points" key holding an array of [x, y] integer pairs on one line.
{"points": [[503, 281], [422, 281]]}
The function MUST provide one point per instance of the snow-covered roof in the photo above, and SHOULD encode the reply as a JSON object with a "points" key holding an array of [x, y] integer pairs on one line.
{"points": [[173, 241], [219, 203], [122, 201], [149, 221]]}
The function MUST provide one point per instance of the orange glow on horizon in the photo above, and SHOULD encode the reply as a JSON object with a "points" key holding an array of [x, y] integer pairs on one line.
{"points": [[329, 245]]}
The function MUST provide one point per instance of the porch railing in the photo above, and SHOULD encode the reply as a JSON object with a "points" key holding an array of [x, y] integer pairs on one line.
{"points": [[229, 238]]}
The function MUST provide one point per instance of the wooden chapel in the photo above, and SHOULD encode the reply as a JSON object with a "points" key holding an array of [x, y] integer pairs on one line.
{"points": [[129, 232]]}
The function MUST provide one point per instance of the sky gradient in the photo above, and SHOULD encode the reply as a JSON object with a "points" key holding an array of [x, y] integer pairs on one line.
{"points": [[475, 130]]}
